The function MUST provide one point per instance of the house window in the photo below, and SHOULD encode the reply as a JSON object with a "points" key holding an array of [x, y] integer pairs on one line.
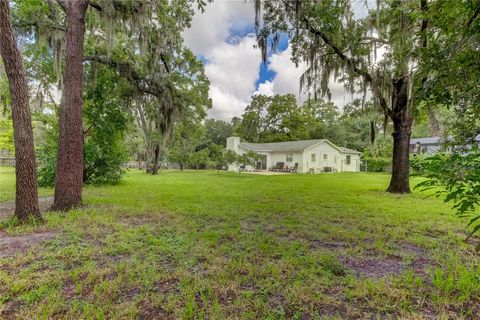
{"points": [[325, 156], [348, 160], [313, 157], [289, 157]]}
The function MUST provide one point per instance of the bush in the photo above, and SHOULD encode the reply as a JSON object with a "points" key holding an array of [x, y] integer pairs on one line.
{"points": [[458, 176], [378, 164], [106, 121], [104, 161], [416, 164]]}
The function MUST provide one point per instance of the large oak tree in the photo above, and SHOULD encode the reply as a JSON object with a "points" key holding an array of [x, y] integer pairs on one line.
{"points": [[69, 171], [380, 52], [26, 197]]}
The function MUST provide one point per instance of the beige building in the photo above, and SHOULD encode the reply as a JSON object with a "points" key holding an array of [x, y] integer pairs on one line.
{"points": [[311, 156]]}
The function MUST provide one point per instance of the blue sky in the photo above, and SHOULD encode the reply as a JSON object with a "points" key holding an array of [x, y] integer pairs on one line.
{"points": [[224, 38]]}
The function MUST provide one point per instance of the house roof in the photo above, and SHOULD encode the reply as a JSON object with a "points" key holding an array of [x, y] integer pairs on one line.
{"points": [[290, 146], [280, 146], [428, 140], [432, 140], [346, 150]]}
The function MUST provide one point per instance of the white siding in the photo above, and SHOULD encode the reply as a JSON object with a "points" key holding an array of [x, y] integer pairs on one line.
{"points": [[282, 157], [320, 150], [335, 159], [354, 165]]}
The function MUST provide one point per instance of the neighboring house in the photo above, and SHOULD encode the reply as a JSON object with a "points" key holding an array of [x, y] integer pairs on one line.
{"points": [[429, 145], [311, 155]]}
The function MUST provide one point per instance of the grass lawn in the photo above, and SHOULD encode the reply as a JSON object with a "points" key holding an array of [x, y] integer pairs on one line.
{"points": [[7, 185], [196, 245]]}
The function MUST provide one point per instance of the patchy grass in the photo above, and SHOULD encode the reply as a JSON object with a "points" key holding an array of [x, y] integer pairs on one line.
{"points": [[207, 245], [7, 185]]}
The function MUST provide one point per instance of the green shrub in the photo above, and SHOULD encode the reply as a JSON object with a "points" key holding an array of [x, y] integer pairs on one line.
{"points": [[106, 123], [378, 164], [416, 164], [457, 178]]}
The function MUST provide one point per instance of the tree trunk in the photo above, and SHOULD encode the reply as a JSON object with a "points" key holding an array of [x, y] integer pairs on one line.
{"points": [[147, 160], [69, 171], [156, 162], [402, 128], [26, 196]]}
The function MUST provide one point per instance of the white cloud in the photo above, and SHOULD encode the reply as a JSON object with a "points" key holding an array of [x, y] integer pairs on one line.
{"points": [[287, 80], [225, 104], [215, 25], [232, 62], [265, 88], [233, 71]]}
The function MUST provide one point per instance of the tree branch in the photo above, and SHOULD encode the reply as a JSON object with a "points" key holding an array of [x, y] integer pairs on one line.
{"points": [[128, 71], [351, 63], [95, 5], [63, 4], [474, 16]]}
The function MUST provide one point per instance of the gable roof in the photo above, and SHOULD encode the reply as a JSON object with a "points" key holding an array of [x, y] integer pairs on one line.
{"points": [[433, 140], [288, 146], [427, 140], [346, 150]]}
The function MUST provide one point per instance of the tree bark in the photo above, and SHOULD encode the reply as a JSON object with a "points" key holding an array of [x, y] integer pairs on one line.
{"points": [[156, 162], [26, 194], [147, 161], [402, 129], [69, 170]]}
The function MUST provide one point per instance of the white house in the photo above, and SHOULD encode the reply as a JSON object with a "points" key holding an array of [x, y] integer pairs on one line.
{"points": [[310, 155]]}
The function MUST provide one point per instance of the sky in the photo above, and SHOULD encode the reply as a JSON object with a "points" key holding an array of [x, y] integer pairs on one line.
{"points": [[224, 38]]}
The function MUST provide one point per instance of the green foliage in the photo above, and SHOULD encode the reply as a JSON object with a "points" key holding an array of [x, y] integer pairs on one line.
{"points": [[279, 118], [217, 131], [7, 147], [456, 177], [221, 157], [199, 159], [249, 158], [416, 164], [454, 56], [271, 119], [47, 148], [378, 164], [106, 123], [187, 135]]}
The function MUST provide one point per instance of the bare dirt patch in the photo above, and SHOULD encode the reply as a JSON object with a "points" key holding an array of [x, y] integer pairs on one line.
{"points": [[149, 311], [167, 286], [374, 268], [382, 266], [7, 209], [144, 219], [328, 245], [103, 261], [10, 245], [9, 310], [413, 249]]}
